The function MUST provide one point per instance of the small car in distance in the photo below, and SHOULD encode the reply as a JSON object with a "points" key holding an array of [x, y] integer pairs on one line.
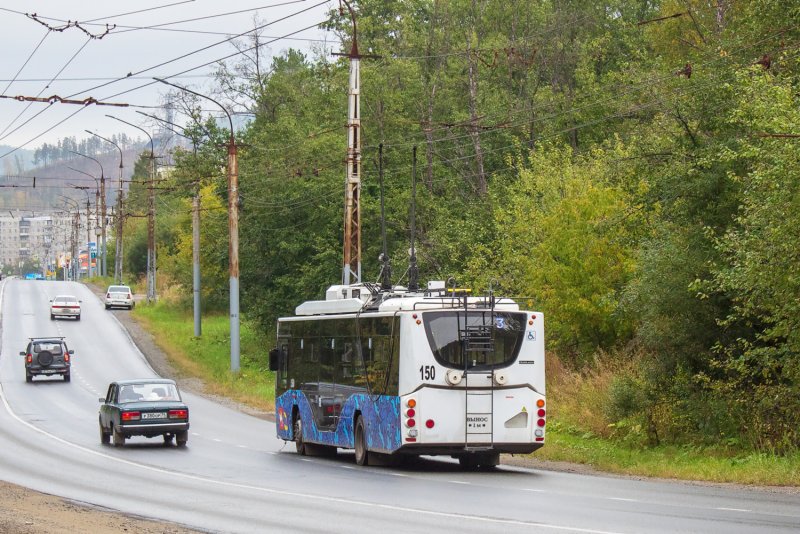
{"points": [[119, 296], [65, 306], [45, 356], [146, 407]]}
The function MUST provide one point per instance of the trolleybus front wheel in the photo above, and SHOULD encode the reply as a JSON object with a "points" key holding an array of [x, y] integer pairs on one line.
{"points": [[362, 455]]}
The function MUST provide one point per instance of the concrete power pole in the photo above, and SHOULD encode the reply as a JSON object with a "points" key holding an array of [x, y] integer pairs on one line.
{"points": [[233, 229], [351, 272]]}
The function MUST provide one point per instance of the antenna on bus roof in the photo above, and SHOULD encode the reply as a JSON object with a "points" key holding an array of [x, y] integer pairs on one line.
{"points": [[386, 264], [413, 271]]}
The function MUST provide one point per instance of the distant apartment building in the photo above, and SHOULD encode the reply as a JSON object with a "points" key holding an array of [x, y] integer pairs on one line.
{"points": [[38, 238]]}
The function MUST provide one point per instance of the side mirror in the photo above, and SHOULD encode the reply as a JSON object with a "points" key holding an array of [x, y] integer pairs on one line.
{"points": [[51, 300], [22, 353], [274, 359], [71, 351], [101, 399]]}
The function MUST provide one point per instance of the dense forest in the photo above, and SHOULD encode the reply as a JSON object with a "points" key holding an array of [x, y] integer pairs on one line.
{"points": [[629, 165]]}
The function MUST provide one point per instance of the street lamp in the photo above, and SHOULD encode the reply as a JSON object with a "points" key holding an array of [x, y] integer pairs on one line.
{"points": [[118, 254], [96, 213], [104, 269], [74, 236], [88, 227], [233, 228], [195, 230], [151, 217]]}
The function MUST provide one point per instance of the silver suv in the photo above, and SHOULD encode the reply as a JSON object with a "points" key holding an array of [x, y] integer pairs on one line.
{"points": [[47, 356]]}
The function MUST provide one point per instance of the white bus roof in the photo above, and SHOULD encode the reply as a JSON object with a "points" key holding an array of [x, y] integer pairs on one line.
{"points": [[352, 299]]}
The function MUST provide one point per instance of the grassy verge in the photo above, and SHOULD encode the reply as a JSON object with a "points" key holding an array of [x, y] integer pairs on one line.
{"points": [[208, 357]]}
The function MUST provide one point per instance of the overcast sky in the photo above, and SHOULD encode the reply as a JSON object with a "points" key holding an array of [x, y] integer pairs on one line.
{"points": [[79, 65]]}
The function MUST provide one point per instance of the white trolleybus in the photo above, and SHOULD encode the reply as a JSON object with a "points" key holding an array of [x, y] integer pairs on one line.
{"points": [[391, 373]]}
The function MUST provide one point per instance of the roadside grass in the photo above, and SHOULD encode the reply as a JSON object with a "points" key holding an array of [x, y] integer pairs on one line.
{"points": [[104, 281], [208, 357], [579, 430]]}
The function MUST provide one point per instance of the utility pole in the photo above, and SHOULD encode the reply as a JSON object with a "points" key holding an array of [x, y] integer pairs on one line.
{"points": [[198, 328], [351, 271], [102, 251], [151, 217], [233, 229], [119, 220]]}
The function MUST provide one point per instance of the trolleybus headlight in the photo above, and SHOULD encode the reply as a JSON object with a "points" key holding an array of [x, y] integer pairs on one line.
{"points": [[429, 423], [411, 423], [411, 403], [540, 422], [411, 412]]}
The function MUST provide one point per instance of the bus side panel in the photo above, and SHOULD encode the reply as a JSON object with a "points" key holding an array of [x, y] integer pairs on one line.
{"points": [[381, 415]]}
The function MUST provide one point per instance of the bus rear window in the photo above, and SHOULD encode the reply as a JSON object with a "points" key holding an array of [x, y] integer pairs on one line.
{"points": [[447, 334]]}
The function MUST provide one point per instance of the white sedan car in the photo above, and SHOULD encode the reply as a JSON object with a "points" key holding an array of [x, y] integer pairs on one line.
{"points": [[119, 296], [65, 306]]}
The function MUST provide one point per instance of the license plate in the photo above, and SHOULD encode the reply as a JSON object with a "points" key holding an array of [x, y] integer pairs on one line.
{"points": [[154, 415], [66, 310], [48, 371]]}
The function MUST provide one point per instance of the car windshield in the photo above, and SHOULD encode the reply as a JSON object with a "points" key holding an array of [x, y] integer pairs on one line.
{"points": [[64, 300], [148, 392], [119, 289]]}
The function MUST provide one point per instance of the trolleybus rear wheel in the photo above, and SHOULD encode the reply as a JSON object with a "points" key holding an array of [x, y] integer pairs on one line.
{"points": [[362, 456], [299, 445]]}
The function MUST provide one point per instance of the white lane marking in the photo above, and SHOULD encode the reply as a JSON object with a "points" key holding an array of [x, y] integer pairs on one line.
{"points": [[347, 467], [622, 499], [243, 446], [732, 509], [460, 482], [536, 490], [217, 440], [398, 475], [195, 434]]}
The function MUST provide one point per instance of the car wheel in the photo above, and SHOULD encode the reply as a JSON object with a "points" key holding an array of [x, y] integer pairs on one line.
{"points": [[67, 377], [299, 444], [105, 437], [168, 439], [362, 455], [119, 437], [78, 318], [28, 378], [107, 306], [52, 317], [181, 438]]}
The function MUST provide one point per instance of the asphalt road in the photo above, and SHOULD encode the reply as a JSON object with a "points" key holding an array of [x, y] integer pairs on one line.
{"points": [[235, 476]]}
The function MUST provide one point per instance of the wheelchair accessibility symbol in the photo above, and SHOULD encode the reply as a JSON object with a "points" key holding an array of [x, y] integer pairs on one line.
{"points": [[531, 335]]}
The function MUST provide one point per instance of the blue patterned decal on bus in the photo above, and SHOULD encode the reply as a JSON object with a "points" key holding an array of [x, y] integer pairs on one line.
{"points": [[381, 417]]}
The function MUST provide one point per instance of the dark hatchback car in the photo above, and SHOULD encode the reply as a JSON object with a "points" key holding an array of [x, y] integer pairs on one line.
{"points": [[46, 356], [146, 407]]}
